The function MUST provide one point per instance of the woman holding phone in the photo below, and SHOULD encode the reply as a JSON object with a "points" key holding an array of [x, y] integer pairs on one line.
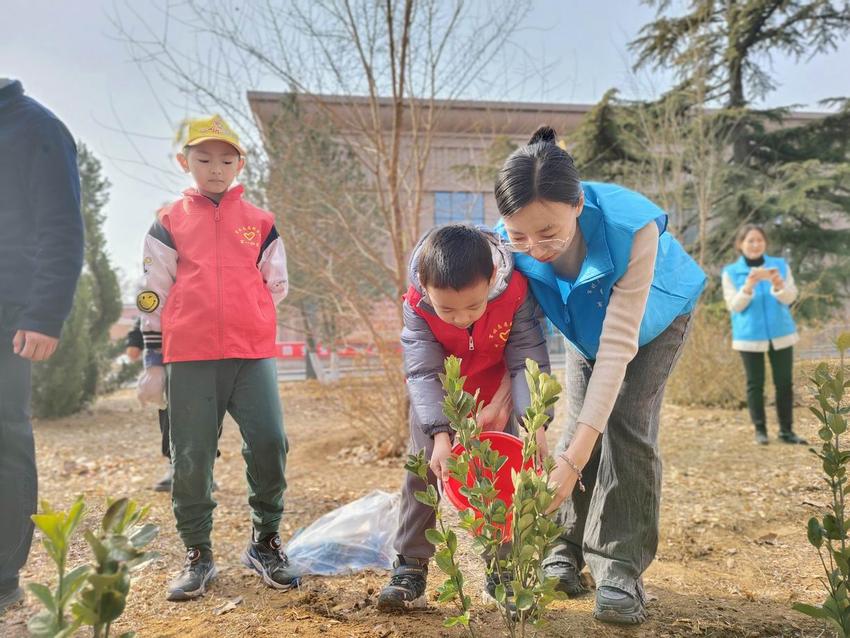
{"points": [[758, 289]]}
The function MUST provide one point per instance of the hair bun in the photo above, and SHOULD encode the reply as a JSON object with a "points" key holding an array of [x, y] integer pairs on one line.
{"points": [[543, 134]]}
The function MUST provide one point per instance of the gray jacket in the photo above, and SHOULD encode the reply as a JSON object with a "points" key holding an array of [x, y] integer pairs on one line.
{"points": [[424, 355]]}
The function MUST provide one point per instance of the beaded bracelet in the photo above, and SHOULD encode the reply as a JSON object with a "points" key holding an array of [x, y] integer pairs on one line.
{"points": [[574, 468]]}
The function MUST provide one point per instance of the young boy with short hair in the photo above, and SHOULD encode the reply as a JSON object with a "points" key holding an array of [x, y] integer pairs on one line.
{"points": [[214, 272], [465, 299]]}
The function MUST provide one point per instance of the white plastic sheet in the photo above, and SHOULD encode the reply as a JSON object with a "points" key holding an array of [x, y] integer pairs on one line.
{"points": [[357, 536]]}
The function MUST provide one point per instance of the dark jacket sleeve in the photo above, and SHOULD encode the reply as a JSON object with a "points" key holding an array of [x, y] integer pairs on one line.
{"points": [[423, 362], [526, 341], [134, 337], [54, 202]]}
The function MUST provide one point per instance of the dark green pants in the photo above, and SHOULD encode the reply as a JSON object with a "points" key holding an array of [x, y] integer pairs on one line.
{"points": [[782, 366], [199, 393]]}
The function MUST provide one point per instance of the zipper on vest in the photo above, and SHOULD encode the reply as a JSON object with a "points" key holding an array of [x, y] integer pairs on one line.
{"points": [[471, 342], [218, 278]]}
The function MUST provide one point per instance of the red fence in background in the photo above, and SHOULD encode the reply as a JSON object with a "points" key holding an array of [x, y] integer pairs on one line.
{"points": [[298, 350]]}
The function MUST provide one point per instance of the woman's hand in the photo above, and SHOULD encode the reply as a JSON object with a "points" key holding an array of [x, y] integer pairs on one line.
{"points": [[564, 476], [439, 462], [776, 280], [752, 279]]}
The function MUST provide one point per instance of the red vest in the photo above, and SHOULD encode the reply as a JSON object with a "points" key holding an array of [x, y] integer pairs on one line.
{"points": [[482, 352]]}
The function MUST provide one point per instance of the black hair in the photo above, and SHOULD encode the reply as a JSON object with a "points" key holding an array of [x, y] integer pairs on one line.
{"points": [[540, 170], [744, 231], [455, 256]]}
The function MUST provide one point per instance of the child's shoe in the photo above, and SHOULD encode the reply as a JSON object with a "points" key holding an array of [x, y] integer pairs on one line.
{"points": [[191, 582], [266, 557], [569, 580], [491, 582], [406, 589]]}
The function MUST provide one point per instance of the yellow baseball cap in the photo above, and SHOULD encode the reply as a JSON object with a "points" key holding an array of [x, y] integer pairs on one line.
{"points": [[200, 130]]}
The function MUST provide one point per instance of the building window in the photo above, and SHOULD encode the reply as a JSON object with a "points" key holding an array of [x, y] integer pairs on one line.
{"points": [[458, 207]]}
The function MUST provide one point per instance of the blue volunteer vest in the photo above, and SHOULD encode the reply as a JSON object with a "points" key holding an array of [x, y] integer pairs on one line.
{"points": [[766, 317], [610, 218]]}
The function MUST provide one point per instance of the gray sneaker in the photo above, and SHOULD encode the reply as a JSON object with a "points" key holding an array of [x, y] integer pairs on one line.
{"points": [[267, 558], [10, 598], [192, 580], [615, 606], [568, 577]]}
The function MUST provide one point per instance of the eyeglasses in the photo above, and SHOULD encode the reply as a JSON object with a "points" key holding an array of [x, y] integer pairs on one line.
{"points": [[527, 246]]}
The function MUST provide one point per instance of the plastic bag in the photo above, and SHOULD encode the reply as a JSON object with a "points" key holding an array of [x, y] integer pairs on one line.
{"points": [[359, 535]]}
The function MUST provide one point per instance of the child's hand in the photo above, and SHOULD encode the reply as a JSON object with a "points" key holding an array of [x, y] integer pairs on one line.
{"points": [[151, 387], [495, 416], [440, 456]]}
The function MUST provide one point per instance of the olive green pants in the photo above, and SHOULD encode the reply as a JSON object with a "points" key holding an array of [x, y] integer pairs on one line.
{"points": [[199, 393]]}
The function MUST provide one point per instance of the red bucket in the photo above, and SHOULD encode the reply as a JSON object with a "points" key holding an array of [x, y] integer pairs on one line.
{"points": [[506, 445]]}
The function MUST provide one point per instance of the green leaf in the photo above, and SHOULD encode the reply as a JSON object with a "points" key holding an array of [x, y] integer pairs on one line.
{"points": [[815, 533], [811, 610], [74, 581], [43, 625], [424, 498], [444, 562], [143, 535], [434, 536], [524, 600], [114, 515], [112, 606], [43, 593], [451, 541], [500, 593]]}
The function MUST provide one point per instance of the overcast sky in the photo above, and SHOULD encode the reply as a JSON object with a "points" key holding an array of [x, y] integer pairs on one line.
{"points": [[69, 57]]}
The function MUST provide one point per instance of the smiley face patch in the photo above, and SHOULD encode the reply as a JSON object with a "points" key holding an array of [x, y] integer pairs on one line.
{"points": [[147, 301]]}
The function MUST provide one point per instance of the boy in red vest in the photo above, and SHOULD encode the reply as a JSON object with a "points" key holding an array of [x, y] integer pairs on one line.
{"points": [[465, 299], [214, 272]]}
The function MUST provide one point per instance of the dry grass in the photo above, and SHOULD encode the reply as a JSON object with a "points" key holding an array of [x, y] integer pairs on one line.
{"points": [[732, 556]]}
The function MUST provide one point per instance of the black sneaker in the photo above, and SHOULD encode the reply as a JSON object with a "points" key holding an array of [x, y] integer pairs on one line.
{"points": [[10, 598], [491, 581], [267, 558], [164, 484], [761, 438], [792, 439], [569, 581], [406, 589], [613, 605], [191, 582]]}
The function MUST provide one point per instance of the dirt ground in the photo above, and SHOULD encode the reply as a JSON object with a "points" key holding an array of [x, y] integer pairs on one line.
{"points": [[732, 557]]}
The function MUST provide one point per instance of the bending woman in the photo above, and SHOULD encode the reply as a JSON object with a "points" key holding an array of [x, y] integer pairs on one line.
{"points": [[620, 289]]}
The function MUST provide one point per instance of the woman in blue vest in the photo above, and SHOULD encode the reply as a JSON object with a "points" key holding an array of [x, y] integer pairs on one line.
{"points": [[620, 289], [758, 289]]}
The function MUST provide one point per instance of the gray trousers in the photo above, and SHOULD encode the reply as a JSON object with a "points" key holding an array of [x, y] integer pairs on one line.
{"points": [[18, 478], [415, 517], [613, 526]]}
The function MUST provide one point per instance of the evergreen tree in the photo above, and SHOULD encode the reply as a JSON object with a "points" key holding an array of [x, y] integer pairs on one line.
{"points": [[791, 178], [71, 377]]}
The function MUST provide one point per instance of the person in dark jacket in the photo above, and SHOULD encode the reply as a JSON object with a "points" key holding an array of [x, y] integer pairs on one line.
{"points": [[465, 299], [41, 255]]}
